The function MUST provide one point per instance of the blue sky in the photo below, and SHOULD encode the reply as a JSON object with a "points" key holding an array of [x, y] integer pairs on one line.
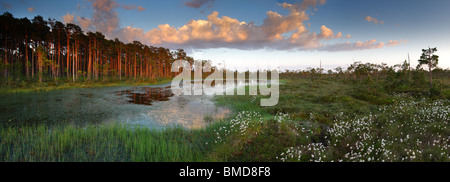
{"points": [[243, 35]]}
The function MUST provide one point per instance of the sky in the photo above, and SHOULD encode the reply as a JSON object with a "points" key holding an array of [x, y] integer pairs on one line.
{"points": [[249, 34]]}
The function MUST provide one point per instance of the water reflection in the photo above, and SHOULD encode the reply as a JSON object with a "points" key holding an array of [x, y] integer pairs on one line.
{"points": [[146, 95], [151, 106], [166, 109]]}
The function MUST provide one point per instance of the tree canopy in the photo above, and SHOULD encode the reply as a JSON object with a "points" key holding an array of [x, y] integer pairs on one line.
{"points": [[73, 54]]}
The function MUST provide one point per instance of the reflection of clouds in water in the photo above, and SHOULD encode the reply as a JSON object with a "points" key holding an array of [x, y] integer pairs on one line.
{"points": [[188, 111], [97, 105]]}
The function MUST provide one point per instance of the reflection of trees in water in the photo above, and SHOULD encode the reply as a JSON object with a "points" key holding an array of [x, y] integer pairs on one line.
{"points": [[146, 95]]}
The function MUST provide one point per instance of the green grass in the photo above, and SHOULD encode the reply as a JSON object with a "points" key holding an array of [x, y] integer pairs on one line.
{"points": [[315, 120], [379, 125], [301, 97], [408, 130], [107, 142], [27, 87]]}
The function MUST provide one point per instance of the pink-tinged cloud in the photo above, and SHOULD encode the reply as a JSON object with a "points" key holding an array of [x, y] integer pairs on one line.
{"points": [[105, 18], [374, 20], [140, 8], [31, 9], [5, 5], [199, 3], [68, 18], [85, 23], [370, 44], [132, 7], [311, 3], [277, 32], [129, 34], [229, 32], [128, 7], [352, 46], [393, 43], [327, 33]]}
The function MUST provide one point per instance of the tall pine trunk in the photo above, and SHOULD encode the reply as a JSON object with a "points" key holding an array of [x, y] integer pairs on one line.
{"points": [[68, 56]]}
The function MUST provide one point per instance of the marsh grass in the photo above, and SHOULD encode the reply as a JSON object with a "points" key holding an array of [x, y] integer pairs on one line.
{"points": [[318, 121], [29, 87], [301, 97], [314, 121], [107, 142], [409, 130]]}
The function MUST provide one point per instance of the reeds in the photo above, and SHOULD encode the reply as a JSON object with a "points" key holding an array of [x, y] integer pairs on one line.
{"points": [[107, 142]]}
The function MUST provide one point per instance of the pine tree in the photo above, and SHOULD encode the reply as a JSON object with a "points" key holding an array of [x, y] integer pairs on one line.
{"points": [[430, 59]]}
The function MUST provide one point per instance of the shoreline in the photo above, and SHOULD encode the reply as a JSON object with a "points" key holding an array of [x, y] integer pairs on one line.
{"points": [[73, 85]]}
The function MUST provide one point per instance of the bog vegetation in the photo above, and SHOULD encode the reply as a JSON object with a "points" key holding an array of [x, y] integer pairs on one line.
{"points": [[336, 117]]}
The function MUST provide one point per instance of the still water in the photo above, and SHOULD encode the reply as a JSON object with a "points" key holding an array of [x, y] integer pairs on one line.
{"points": [[150, 106]]}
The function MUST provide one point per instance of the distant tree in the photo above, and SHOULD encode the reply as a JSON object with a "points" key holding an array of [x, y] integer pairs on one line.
{"points": [[429, 58]]}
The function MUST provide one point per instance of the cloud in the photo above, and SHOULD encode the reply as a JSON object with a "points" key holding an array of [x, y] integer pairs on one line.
{"points": [[313, 3], [132, 7], [374, 20], [199, 3], [31, 9], [105, 18], [370, 44], [68, 18], [326, 33], [85, 23], [6, 5], [277, 31], [129, 34], [140, 8], [348, 46], [129, 7], [393, 43], [289, 31]]}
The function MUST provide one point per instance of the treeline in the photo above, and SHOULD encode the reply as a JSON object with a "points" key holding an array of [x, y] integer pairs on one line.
{"points": [[400, 78], [49, 50]]}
